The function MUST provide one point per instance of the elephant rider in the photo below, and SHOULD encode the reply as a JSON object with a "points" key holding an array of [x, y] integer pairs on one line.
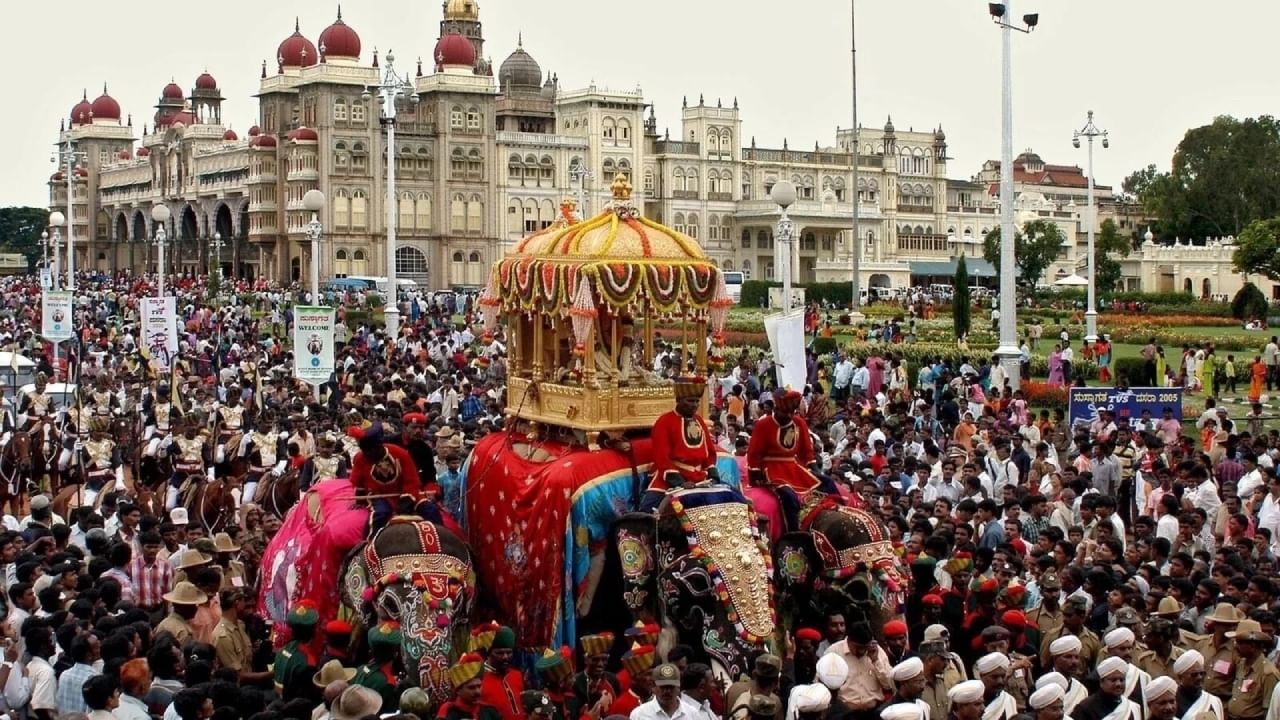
{"points": [[684, 451], [232, 425], [465, 675], [594, 681], [264, 449], [296, 662], [383, 471], [100, 458], [159, 414], [779, 453], [414, 439], [191, 456], [384, 670], [501, 685], [325, 464]]}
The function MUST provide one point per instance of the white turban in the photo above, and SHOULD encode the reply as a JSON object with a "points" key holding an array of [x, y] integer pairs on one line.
{"points": [[967, 692], [1118, 637], [1111, 666], [1046, 696], [1064, 645], [1053, 678], [1163, 685], [1187, 660], [810, 698], [902, 711], [832, 671], [989, 662], [907, 669]]}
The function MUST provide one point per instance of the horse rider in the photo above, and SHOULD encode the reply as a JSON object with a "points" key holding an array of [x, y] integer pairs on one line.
{"points": [[191, 456], [232, 424], [264, 448], [684, 452], [101, 460], [325, 464], [158, 414], [36, 410], [102, 400]]}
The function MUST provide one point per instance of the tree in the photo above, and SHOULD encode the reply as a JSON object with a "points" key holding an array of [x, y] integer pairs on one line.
{"points": [[1258, 249], [1107, 243], [960, 306], [1224, 176], [1249, 303], [20, 229], [1036, 246]]}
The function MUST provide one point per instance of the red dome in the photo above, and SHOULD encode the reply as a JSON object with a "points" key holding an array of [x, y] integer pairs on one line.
{"points": [[230, 136], [297, 51], [172, 91], [124, 155], [81, 172], [143, 152], [106, 107], [206, 82], [453, 49], [263, 141], [340, 41], [57, 177], [304, 134], [255, 131], [82, 112]]}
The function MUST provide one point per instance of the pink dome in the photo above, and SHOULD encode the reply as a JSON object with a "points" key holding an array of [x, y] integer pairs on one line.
{"points": [[454, 49], [297, 50], [172, 91], [143, 152], [340, 41], [206, 82], [263, 141], [82, 113], [255, 131], [230, 136], [304, 134], [124, 155], [106, 107]]}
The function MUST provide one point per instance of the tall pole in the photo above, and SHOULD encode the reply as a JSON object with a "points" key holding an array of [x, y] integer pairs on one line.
{"points": [[392, 87], [856, 247], [160, 243], [784, 194], [1007, 352], [1089, 132], [71, 220]]}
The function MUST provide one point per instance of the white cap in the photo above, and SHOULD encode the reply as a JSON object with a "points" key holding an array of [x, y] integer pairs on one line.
{"points": [[1163, 685], [832, 671], [991, 662], [1064, 645], [1112, 665], [810, 698], [936, 632], [907, 669], [1046, 696], [1118, 637], [178, 516], [1053, 678], [903, 711], [967, 692], [1187, 660]]}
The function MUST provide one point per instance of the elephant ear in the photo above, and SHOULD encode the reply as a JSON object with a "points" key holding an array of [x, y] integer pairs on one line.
{"points": [[634, 539], [798, 571]]}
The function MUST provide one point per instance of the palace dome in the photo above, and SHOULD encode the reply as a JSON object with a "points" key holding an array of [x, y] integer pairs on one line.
{"points": [[339, 40], [454, 49], [206, 82], [297, 51], [172, 91], [520, 70], [82, 113], [106, 107], [230, 136], [461, 10]]}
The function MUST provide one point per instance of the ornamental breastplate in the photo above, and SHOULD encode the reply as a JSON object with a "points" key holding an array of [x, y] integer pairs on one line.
{"points": [[100, 452], [101, 402], [162, 415], [191, 450], [39, 402], [325, 467], [266, 447], [232, 417]]}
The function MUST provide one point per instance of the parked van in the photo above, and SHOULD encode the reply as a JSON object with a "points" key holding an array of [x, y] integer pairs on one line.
{"points": [[733, 283]]}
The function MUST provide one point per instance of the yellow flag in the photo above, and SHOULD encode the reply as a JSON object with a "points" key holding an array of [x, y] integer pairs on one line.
{"points": [[175, 396]]}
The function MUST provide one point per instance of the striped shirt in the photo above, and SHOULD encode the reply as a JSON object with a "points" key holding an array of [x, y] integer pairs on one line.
{"points": [[150, 582], [126, 583]]}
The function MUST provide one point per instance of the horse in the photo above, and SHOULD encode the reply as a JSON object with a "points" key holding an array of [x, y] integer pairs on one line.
{"points": [[124, 431], [46, 446], [212, 503], [15, 465], [277, 494]]}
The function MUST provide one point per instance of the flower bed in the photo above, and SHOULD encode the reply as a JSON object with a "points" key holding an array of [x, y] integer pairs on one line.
{"points": [[1119, 320], [1045, 396]]}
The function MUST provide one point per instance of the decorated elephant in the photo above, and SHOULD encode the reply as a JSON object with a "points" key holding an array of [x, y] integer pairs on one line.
{"points": [[538, 518], [843, 559], [418, 574], [703, 567]]}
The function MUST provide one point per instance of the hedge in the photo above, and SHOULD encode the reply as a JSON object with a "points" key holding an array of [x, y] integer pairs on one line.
{"points": [[755, 293], [1129, 370]]}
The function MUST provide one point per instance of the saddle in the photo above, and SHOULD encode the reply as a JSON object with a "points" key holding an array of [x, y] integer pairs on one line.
{"points": [[189, 491], [233, 444]]}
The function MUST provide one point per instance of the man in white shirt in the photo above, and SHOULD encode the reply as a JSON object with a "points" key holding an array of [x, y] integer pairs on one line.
{"points": [[1252, 478], [1167, 525], [44, 682], [696, 684], [666, 701], [1269, 514]]}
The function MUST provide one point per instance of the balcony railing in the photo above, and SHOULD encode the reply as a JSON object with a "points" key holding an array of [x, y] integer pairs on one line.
{"points": [[925, 209], [684, 194]]}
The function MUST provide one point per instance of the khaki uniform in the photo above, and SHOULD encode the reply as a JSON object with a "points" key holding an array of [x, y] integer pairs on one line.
{"points": [[1251, 689], [1154, 665], [178, 627], [1090, 645], [1219, 667], [935, 689], [233, 577], [1045, 620], [231, 643]]}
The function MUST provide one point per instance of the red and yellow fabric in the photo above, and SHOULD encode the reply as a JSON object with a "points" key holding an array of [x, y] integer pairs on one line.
{"points": [[681, 445], [782, 453]]}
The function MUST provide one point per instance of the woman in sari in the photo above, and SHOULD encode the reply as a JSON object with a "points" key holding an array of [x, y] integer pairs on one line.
{"points": [[1207, 369], [1055, 365], [1162, 367], [1257, 379]]}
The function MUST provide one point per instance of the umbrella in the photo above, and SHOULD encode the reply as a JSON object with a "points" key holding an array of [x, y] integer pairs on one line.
{"points": [[1072, 280]]}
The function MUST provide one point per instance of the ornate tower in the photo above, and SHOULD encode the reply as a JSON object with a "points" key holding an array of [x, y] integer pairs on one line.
{"points": [[462, 17]]}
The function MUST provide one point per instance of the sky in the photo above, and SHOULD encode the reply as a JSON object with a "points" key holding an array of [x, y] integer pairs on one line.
{"points": [[1150, 69]]}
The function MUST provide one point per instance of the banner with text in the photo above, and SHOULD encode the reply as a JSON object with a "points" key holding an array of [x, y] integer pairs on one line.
{"points": [[160, 331], [313, 344], [57, 311], [786, 340], [1128, 405]]}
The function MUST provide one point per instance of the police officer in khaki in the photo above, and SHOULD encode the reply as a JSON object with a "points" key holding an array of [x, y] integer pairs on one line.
{"points": [[1160, 654], [1255, 677], [233, 577], [1219, 650], [1048, 614], [1073, 618]]}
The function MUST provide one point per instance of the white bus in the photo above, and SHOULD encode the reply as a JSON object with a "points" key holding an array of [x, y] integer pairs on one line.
{"points": [[733, 283]]}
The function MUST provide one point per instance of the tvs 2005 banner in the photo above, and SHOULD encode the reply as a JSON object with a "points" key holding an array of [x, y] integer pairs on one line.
{"points": [[160, 331], [1128, 404], [313, 344]]}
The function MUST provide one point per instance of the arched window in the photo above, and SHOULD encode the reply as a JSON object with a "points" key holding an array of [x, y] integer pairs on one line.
{"points": [[694, 225], [746, 238], [406, 211], [359, 210], [423, 213], [746, 269], [648, 181], [768, 269], [515, 166], [677, 179], [458, 214], [624, 132], [713, 227], [678, 223], [410, 261], [341, 209], [474, 257], [457, 257], [609, 131], [691, 179], [340, 110], [341, 263], [456, 117], [475, 214], [727, 265], [473, 119]]}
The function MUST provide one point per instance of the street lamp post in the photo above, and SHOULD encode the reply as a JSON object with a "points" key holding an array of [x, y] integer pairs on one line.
{"points": [[580, 175], [1089, 132], [393, 87], [784, 194], [314, 202], [160, 216], [44, 264], [56, 221], [217, 253], [1008, 353]]}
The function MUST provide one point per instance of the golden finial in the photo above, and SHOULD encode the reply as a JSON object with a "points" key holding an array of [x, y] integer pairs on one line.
{"points": [[621, 187]]}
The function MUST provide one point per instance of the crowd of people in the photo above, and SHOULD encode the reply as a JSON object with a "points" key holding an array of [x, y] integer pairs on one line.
{"points": [[1099, 571]]}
